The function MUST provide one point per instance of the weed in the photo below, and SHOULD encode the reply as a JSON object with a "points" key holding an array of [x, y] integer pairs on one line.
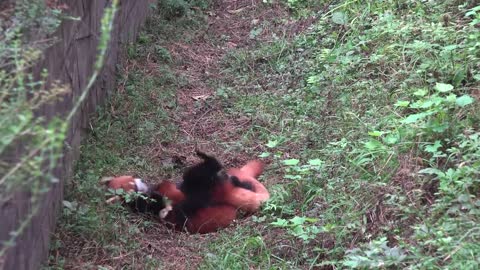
{"points": [[383, 101], [368, 121]]}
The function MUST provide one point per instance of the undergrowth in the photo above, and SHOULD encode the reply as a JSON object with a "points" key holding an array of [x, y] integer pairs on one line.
{"points": [[370, 120], [92, 234]]}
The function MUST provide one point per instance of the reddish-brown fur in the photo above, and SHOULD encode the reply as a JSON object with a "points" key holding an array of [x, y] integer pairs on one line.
{"points": [[211, 219], [125, 182], [226, 197], [241, 198], [170, 190]]}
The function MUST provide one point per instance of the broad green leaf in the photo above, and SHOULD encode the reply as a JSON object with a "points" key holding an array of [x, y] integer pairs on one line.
{"points": [[464, 100], [443, 87], [339, 18], [298, 220], [291, 162], [314, 79], [299, 231], [280, 222], [68, 205], [391, 139], [272, 144], [464, 198], [311, 220], [424, 104], [374, 145], [432, 171], [451, 98], [439, 126], [472, 12], [402, 103], [433, 147], [450, 47], [421, 92], [264, 155], [376, 133], [315, 162], [412, 118]]}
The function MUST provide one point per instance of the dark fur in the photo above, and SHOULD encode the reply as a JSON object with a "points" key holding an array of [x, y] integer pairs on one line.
{"points": [[151, 205], [246, 185], [202, 177], [199, 182]]}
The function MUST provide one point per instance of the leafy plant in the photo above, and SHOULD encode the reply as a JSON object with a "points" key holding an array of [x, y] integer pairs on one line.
{"points": [[300, 227], [376, 254]]}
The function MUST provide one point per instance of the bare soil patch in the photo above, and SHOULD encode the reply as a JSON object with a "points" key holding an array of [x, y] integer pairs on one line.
{"points": [[202, 124]]}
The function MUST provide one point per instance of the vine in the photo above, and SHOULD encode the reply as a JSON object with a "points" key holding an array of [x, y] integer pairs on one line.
{"points": [[39, 141]]}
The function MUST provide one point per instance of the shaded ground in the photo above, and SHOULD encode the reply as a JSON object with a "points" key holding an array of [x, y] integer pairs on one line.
{"points": [[346, 170], [200, 122]]}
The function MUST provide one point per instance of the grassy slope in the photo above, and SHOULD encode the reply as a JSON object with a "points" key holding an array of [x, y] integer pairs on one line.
{"points": [[348, 113], [371, 119], [127, 136]]}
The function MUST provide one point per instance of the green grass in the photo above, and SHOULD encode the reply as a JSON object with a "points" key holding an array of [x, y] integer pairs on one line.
{"points": [[379, 95], [368, 121], [117, 145], [121, 140]]}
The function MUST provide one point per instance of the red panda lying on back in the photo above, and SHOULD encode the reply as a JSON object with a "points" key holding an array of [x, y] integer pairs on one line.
{"points": [[208, 198]]}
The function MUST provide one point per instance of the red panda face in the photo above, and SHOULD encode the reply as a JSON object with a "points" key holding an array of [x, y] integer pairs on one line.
{"points": [[126, 183]]}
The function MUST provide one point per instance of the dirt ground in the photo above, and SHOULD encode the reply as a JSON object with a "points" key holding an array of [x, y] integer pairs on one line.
{"points": [[202, 124]]}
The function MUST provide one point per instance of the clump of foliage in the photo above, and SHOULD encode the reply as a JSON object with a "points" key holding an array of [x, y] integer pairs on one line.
{"points": [[372, 119], [22, 93], [123, 140], [171, 9]]}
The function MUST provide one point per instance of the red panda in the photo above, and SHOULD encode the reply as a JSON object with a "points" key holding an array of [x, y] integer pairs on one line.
{"points": [[211, 218], [126, 182], [214, 195], [181, 213], [206, 200]]}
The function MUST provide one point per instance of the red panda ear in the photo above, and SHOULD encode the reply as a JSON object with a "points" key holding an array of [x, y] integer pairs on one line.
{"points": [[253, 168]]}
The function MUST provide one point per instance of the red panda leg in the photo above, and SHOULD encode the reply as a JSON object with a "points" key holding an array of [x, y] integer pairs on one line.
{"points": [[242, 198]]}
